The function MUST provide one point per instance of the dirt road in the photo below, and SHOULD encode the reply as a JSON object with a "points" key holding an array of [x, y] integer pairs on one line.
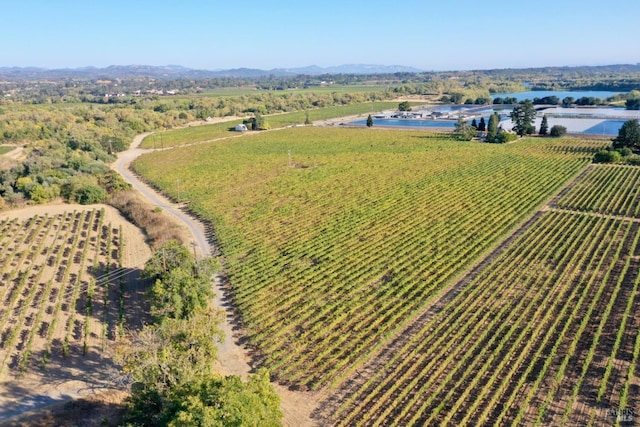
{"points": [[233, 358]]}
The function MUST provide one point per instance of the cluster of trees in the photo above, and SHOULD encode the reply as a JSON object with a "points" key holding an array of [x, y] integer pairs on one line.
{"points": [[257, 122], [68, 149], [632, 100], [171, 361], [492, 132], [554, 100], [523, 116], [75, 171]]}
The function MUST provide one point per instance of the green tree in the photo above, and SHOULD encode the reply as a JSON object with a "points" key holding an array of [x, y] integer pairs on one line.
{"points": [[307, 120], [258, 122], [464, 131], [492, 127], [178, 292], [544, 126], [171, 365], [170, 256], [504, 137], [566, 102], [628, 135], [522, 117], [456, 97], [369, 121], [633, 104], [558, 131], [166, 355], [83, 189], [482, 126], [474, 123], [218, 401], [404, 106]]}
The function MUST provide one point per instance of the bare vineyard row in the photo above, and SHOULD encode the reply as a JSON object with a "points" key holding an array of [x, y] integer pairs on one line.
{"points": [[58, 288]]}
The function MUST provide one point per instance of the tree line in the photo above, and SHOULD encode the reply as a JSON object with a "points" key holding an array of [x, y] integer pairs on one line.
{"points": [[522, 116]]}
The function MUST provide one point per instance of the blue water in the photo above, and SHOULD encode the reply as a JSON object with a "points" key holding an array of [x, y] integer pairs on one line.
{"points": [[409, 123], [608, 127], [605, 128], [604, 94]]}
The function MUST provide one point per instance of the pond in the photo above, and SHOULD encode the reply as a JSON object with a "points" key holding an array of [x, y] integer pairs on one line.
{"points": [[408, 123], [520, 96], [593, 126]]}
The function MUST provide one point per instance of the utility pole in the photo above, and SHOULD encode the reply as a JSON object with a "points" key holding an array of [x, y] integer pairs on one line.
{"points": [[193, 245]]}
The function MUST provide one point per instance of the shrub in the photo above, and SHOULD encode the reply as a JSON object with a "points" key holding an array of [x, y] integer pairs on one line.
{"points": [[558, 131], [607, 156], [625, 151], [633, 160], [90, 195], [83, 189], [504, 137]]}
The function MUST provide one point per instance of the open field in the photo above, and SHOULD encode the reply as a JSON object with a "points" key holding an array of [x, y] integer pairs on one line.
{"points": [[67, 290], [208, 132], [335, 239]]}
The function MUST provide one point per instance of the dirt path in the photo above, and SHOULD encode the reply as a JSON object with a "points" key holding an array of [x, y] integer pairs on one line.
{"points": [[233, 358]]}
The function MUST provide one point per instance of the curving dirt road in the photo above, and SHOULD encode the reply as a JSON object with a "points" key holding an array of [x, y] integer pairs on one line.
{"points": [[233, 358]]}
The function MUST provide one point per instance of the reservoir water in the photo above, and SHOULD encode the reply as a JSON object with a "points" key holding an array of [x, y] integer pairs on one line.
{"points": [[573, 125], [521, 96]]}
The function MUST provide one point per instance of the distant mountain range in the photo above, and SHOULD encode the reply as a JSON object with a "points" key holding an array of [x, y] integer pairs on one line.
{"points": [[177, 71]]}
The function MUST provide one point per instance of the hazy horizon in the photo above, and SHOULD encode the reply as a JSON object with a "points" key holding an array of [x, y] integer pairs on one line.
{"points": [[427, 36]]}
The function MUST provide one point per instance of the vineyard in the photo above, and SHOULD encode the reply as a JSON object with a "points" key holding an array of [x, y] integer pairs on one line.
{"points": [[64, 289], [607, 189], [336, 239], [546, 334]]}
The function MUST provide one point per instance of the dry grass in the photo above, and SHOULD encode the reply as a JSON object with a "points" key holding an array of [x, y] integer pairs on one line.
{"points": [[158, 227]]}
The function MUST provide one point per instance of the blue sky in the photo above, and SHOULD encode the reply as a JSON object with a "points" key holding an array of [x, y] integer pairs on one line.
{"points": [[430, 35]]}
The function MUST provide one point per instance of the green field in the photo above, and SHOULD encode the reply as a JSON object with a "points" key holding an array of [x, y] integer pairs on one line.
{"points": [[193, 134], [334, 239]]}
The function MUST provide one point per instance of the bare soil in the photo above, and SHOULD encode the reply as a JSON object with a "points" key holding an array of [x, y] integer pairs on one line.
{"points": [[88, 368]]}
